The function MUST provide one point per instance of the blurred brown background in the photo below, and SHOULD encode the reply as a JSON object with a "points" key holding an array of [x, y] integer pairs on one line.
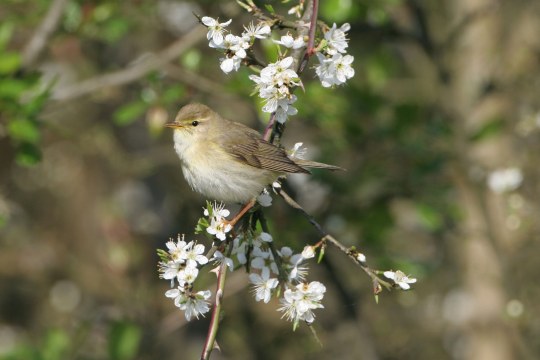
{"points": [[439, 131]]}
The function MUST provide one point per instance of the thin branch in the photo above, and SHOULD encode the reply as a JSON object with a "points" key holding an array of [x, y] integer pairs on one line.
{"points": [[49, 24], [311, 41], [351, 252], [134, 72], [214, 322]]}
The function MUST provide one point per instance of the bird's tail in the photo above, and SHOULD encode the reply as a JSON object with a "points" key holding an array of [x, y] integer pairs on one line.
{"points": [[316, 165]]}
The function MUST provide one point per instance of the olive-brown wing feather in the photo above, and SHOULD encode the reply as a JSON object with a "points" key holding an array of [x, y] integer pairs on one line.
{"points": [[249, 148]]}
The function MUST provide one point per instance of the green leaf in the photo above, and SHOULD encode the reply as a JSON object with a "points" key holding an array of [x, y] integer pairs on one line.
{"points": [[429, 216], [24, 130], [191, 59], [124, 340], [115, 29], [336, 10], [201, 226], [6, 30], [489, 129], [321, 254], [12, 88], [163, 255], [28, 155], [270, 8], [9, 62], [56, 345], [128, 113], [173, 94]]}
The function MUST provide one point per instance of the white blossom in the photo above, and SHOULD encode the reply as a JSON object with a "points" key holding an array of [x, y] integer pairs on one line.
{"points": [[169, 270], [259, 31], [337, 39], [219, 226], [179, 249], [291, 43], [264, 199], [194, 304], [361, 257], [239, 249], [265, 237], [263, 259], [292, 264], [263, 285], [296, 10], [229, 64], [308, 252], [274, 84], [505, 180], [187, 276], [220, 258], [335, 70], [298, 152], [215, 29], [298, 303], [400, 279], [194, 256]]}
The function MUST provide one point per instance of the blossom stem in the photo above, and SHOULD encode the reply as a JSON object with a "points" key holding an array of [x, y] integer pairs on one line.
{"points": [[269, 127], [312, 28], [242, 212], [209, 344]]}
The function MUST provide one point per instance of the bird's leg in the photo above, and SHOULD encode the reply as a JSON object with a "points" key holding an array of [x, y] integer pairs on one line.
{"points": [[242, 212]]}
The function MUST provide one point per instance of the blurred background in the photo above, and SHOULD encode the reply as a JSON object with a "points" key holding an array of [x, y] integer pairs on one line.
{"points": [[439, 131]]}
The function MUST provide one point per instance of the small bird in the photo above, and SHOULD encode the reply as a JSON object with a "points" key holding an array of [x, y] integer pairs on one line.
{"points": [[227, 161]]}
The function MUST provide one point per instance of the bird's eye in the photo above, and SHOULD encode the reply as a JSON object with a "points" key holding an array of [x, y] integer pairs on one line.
{"points": [[194, 123]]}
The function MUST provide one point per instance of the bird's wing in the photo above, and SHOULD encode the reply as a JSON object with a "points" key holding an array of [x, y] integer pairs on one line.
{"points": [[249, 148]]}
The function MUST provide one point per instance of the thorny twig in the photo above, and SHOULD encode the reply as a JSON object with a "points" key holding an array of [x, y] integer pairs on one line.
{"points": [[350, 252]]}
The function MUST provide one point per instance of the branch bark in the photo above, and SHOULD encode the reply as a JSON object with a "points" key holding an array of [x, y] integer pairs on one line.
{"points": [[134, 72], [49, 24]]}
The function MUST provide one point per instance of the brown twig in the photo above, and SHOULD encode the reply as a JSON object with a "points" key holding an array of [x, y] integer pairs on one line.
{"points": [[214, 321], [49, 24]]}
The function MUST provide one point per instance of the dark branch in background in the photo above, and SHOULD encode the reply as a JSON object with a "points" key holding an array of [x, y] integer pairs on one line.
{"points": [[134, 72], [49, 24]]}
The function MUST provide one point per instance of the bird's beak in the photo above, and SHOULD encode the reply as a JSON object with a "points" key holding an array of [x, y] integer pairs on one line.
{"points": [[174, 125]]}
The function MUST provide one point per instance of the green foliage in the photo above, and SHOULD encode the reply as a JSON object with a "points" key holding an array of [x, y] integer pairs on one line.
{"points": [[337, 10], [56, 345], [430, 216], [124, 341], [21, 99], [9, 62], [488, 130], [129, 112]]}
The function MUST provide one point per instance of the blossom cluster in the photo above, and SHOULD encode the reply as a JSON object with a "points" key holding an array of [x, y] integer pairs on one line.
{"points": [[180, 264], [276, 81], [235, 46], [334, 66], [271, 271], [275, 85]]}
